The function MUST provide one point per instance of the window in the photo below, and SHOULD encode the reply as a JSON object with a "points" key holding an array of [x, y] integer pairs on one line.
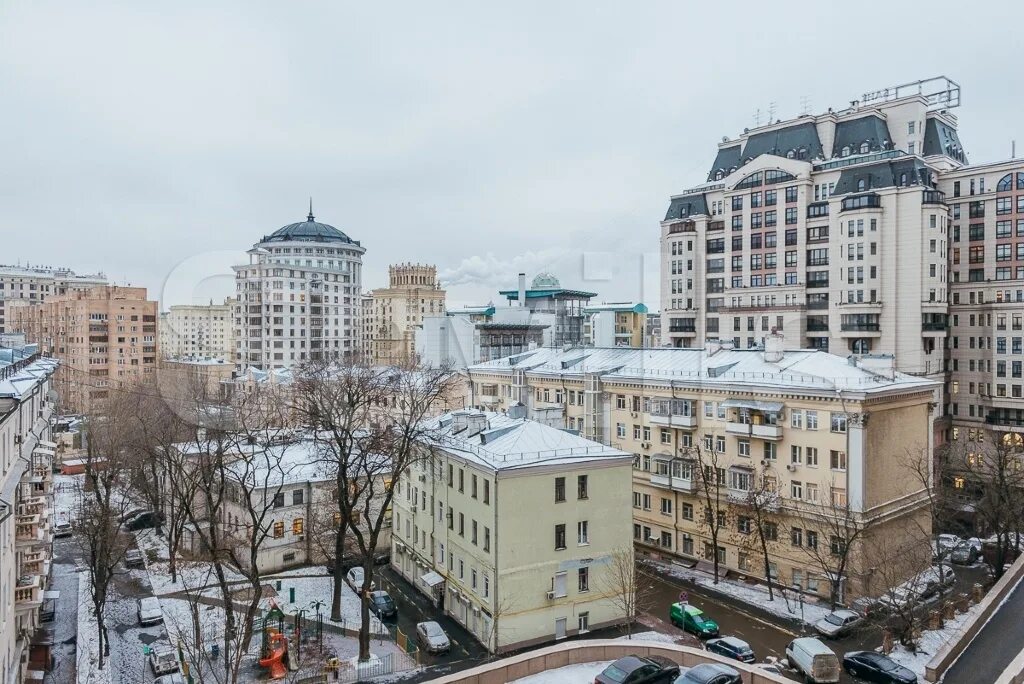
{"points": [[743, 524], [462, 524], [812, 456], [812, 420], [837, 460], [462, 480], [473, 536], [278, 529], [687, 511], [297, 497], [559, 537], [838, 422], [796, 456], [790, 216], [487, 538], [796, 536], [583, 622], [812, 539], [582, 536], [472, 487], [583, 576], [796, 489], [559, 489], [581, 486], [791, 194], [666, 506], [487, 491], [297, 526], [279, 500]]}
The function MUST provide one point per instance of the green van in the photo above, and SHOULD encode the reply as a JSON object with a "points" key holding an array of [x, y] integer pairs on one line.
{"points": [[692, 619]]}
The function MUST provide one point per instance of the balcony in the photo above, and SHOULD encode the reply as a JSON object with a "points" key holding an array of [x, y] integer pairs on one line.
{"points": [[759, 431], [28, 593], [28, 529], [682, 227], [933, 197], [867, 201], [676, 420], [34, 563]]}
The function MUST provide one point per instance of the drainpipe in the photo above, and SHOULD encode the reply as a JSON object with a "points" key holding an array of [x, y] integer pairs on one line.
{"points": [[496, 615]]}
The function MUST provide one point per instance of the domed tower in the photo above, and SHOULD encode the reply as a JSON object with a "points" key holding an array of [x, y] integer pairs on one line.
{"points": [[298, 297]]}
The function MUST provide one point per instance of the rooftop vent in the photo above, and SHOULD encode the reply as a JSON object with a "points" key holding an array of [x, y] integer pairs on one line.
{"points": [[773, 347]]}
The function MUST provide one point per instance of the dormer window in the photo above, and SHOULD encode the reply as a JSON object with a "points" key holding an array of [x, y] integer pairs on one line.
{"points": [[864, 148], [718, 175], [791, 155], [861, 185], [801, 153], [845, 152]]}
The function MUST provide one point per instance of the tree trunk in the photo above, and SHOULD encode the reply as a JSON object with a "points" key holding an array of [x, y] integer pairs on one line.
{"points": [[338, 574], [364, 612]]}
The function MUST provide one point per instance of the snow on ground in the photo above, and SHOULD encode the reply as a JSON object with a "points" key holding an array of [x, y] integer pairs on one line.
{"points": [[66, 490], [88, 644], [584, 673], [753, 594], [308, 571], [931, 641], [191, 574], [653, 636], [311, 589]]}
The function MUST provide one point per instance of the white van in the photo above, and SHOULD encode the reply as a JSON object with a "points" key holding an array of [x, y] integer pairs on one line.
{"points": [[814, 660]]}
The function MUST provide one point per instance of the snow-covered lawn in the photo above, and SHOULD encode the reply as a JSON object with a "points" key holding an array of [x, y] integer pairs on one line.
{"points": [[191, 574], [88, 644], [311, 589], [931, 641], [584, 673], [653, 636], [753, 594]]}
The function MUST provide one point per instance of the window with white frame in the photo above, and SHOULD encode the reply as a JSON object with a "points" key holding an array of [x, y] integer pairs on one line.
{"points": [[582, 534], [812, 420], [796, 419]]}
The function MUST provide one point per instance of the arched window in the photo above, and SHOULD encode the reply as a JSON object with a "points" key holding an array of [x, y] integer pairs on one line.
{"points": [[845, 152], [860, 346], [718, 175], [1005, 183], [801, 153], [790, 155], [865, 148], [861, 185], [903, 179], [1020, 181]]}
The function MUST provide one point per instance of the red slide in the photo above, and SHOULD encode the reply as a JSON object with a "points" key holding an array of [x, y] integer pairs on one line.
{"points": [[278, 647]]}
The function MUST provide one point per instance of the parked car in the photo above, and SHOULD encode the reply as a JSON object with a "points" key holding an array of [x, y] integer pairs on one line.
{"points": [[731, 647], [382, 605], [143, 521], [633, 669], [692, 619], [966, 552], [900, 597], [432, 638], [133, 558], [175, 678], [709, 673], [838, 623], [814, 660], [163, 662], [355, 577], [875, 667], [933, 580], [149, 611], [131, 513], [62, 529], [943, 544], [868, 606]]}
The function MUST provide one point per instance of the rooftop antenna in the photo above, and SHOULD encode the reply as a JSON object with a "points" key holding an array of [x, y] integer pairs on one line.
{"points": [[757, 117], [771, 111], [310, 217], [805, 104], [1013, 149]]}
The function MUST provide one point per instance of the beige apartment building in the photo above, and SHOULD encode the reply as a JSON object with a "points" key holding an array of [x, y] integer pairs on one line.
{"points": [[615, 324], [819, 437], [198, 331], [462, 536], [103, 337], [392, 314], [33, 284]]}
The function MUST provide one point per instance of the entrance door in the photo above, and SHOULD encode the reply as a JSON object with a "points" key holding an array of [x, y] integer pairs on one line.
{"points": [[560, 628]]}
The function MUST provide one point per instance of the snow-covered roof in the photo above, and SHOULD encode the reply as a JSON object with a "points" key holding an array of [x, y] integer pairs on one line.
{"points": [[22, 381], [499, 442], [800, 369]]}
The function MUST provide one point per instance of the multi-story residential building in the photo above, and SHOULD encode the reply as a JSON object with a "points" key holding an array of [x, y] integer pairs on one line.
{"points": [[104, 337], [33, 284], [826, 436], [514, 580], [652, 331], [298, 297], [617, 324], [199, 331], [395, 312], [26, 504], [560, 308], [473, 334], [831, 229]]}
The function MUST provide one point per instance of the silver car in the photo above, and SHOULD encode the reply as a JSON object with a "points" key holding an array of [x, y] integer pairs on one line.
{"points": [[432, 638], [838, 623]]}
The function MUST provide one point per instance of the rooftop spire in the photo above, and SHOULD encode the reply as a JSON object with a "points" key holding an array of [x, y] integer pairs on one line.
{"points": [[310, 217]]}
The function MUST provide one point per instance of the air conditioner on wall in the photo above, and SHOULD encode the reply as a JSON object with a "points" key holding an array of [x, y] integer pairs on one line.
{"points": [[791, 468]]}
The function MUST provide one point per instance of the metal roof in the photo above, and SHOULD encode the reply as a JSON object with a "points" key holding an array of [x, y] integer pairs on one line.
{"points": [[308, 231]]}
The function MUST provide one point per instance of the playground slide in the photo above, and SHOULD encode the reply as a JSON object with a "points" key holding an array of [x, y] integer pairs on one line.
{"points": [[278, 648]]}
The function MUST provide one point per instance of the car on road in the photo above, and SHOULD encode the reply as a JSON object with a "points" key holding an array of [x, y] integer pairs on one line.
{"points": [[354, 577], [382, 605], [133, 558], [634, 669], [709, 673], [814, 660], [875, 667], [175, 678], [838, 623], [62, 529], [432, 638], [943, 544], [149, 611], [933, 580], [898, 598], [731, 647], [163, 662], [692, 619]]}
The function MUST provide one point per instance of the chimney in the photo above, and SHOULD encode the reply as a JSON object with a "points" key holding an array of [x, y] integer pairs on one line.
{"points": [[516, 410], [522, 289], [773, 347]]}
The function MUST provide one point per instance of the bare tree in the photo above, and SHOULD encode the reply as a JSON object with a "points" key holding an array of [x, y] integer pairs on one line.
{"points": [[758, 529], [903, 571], [627, 586], [370, 425], [710, 478]]}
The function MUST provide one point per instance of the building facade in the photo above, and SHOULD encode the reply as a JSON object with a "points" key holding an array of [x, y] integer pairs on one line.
{"points": [[820, 437], [561, 309], [394, 313], [26, 506], [514, 580], [298, 297], [618, 324], [104, 337], [33, 284], [198, 331]]}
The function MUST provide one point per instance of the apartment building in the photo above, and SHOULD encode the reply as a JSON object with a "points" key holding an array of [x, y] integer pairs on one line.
{"points": [[824, 435], [394, 313], [104, 337], [514, 580], [831, 229], [26, 506], [33, 284], [616, 324], [198, 331], [562, 309], [298, 297]]}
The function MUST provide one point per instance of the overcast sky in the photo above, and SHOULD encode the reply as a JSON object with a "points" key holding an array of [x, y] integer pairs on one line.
{"points": [[137, 136]]}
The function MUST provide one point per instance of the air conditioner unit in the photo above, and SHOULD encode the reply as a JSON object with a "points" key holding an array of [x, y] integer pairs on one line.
{"points": [[764, 462], [791, 468], [551, 594]]}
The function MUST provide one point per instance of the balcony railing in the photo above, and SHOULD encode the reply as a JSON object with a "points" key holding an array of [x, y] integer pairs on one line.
{"points": [[933, 197], [760, 431], [860, 327], [869, 201], [28, 592], [679, 484]]}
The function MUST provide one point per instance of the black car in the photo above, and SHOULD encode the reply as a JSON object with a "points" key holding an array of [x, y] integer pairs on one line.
{"points": [[143, 521], [709, 673], [731, 647], [875, 667], [382, 605], [639, 670]]}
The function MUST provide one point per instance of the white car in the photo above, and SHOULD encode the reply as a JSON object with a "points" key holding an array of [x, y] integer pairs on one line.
{"points": [[62, 529], [149, 611], [163, 662], [900, 597], [355, 578]]}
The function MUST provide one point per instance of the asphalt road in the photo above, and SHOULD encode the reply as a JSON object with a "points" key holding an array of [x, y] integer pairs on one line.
{"points": [[64, 578], [994, 647]]}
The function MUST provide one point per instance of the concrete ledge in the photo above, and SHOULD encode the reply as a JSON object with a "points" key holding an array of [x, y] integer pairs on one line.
{"points": [[575, 652], [940, 662], [1014, 672]]}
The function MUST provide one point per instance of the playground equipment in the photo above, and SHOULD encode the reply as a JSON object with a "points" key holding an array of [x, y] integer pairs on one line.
{"points": [[278, 647]]}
